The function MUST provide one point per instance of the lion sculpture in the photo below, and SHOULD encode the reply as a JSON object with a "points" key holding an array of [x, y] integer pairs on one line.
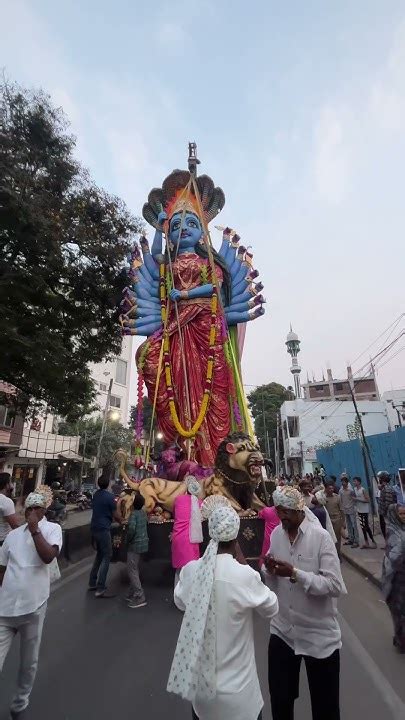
{"points": [[237, 474]]}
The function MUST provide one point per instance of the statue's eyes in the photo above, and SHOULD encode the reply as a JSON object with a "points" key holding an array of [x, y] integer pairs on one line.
{"points": [[192, 223], [176, 225]]}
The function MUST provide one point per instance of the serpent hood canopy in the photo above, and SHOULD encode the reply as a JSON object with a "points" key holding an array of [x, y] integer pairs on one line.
{"points": [[177, 193]]}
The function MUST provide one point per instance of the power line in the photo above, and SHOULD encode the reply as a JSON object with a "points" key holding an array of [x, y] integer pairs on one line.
{"points": [[391, 327], [393, 356], [340, 402], [396, 322]]}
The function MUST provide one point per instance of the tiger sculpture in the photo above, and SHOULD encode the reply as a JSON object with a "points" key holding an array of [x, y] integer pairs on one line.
{"points": [[237, 474]]}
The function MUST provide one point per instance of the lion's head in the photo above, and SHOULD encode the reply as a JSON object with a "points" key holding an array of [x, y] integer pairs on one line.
{"points": [[240, 461]]}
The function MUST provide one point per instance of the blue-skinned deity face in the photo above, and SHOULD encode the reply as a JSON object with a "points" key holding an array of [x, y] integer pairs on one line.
{"points": [[191, 230]]}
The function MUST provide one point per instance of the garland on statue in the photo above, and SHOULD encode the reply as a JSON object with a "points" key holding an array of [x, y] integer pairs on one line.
{"points": [[208, 378], [139, 407]]}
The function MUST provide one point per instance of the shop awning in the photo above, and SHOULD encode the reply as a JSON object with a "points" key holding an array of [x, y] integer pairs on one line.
{"points": [[73, 456]]}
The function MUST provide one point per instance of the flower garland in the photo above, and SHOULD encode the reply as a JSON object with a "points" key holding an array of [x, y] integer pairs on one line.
{"points": [[208, 378], [139, 410], [162, 292]]}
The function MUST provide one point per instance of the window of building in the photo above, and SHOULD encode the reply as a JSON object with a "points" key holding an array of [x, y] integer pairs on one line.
{"points": [[338, 386], [103, 387], [293, 426], [7, 417], [115, 401], [121, 372], [319, 388]]}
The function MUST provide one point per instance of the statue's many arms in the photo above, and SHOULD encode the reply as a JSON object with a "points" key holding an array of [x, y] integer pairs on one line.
{"points": [[197, 296]]}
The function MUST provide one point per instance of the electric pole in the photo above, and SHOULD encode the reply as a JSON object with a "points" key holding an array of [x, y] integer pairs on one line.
{"points": [[364, 448], [100, 442]]}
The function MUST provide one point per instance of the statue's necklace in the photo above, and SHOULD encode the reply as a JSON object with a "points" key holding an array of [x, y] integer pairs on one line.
{"points": [[235, 482]]}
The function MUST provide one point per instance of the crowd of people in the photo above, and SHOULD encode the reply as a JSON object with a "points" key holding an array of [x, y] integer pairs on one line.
{"points": [[296, 588]]}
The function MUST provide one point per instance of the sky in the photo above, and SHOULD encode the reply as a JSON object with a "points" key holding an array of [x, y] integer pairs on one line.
{"points": [[298, 111]]}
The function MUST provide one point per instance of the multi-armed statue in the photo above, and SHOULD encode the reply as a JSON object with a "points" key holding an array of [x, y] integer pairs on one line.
{"points": [[192, 303]]}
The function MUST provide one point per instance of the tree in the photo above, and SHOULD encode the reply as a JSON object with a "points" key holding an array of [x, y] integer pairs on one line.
{"points": [[115, 436], [149, 433], [63, 242], [147, 416], [330, 440], [264, 403]]}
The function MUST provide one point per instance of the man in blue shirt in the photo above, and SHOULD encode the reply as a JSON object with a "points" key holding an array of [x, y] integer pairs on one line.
{"points": [[104, 512]]}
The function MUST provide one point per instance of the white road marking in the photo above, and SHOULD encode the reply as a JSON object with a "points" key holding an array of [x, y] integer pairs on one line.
{"points": [[393, 702]]}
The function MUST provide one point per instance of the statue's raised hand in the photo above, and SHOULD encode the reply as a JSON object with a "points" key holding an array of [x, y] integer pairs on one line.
{"points": [[162, 217]]}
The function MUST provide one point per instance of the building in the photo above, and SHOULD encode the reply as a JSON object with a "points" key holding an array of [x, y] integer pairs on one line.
{"points": [[307, 426], [29, 452], [119, 370], [395, 403], [11, 426], [44, 457], [364, 388]]}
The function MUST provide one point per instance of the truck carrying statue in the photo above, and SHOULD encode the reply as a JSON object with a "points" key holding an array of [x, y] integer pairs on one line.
{"points": [[192, 303]]}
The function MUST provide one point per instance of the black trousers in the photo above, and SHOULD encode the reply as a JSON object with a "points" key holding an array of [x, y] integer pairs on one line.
{"points": [[323, 680], [195, 717], [363, 517], [383, 526]]}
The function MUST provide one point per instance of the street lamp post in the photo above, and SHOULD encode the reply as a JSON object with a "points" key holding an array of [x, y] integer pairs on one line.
{"points": [[83, 459], [105, 414]]}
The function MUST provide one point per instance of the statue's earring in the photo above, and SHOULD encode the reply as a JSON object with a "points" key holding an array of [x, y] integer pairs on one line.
{"points": [[171, 246]]}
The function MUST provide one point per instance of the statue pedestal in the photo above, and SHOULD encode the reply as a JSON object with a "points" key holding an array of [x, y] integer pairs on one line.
{"points": [[250, 540]]}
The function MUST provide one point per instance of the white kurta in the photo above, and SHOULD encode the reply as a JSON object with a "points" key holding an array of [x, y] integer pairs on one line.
{"points": [[26, 581], [239, 591], [308, 617]]}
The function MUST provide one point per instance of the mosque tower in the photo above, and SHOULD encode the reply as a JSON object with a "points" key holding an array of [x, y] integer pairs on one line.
{"points": [[293, 348]]}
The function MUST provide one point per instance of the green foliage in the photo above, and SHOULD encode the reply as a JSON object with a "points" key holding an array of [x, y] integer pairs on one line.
{"points": [[354, 431], [63, 242], [115, 436], [330, 440], [264, 403], [158, 443], [147, 416]]}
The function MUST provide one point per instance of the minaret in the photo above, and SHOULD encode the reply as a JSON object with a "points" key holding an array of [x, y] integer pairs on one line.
{"points": [[293, 348]]}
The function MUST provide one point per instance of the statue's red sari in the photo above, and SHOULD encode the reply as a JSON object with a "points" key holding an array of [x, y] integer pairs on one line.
{"points": [[194, 319]]}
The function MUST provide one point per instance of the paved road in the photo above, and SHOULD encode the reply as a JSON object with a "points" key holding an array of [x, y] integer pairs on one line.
{"points": [[101, 660]]}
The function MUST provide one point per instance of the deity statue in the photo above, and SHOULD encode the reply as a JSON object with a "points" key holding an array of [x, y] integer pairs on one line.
{"points": [[192, 303]]}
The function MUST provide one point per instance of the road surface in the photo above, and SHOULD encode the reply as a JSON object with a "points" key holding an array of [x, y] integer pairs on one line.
{"points": [[100, 659]]}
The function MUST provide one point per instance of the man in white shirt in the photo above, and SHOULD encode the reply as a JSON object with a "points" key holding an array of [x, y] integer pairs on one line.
{"points": [[303, 569], [24, 590], [8, 517], [214, 664]]}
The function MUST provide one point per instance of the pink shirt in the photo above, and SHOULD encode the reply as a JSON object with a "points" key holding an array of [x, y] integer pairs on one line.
{"points": [[271, 519], [182, 549]]}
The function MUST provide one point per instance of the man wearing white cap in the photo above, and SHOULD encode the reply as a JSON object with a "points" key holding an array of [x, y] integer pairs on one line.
{"points": [[303, 568], [24, 590], [214, 663]]}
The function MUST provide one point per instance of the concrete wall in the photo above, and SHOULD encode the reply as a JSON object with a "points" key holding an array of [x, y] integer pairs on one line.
{"points": [[395, 398]]}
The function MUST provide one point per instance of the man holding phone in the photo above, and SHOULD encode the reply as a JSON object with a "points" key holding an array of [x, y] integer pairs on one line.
{"points": [[303, 569], [24, 590]]}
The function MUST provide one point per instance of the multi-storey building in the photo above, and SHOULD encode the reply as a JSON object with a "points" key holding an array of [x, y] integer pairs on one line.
{"points": [[117, 372]]}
